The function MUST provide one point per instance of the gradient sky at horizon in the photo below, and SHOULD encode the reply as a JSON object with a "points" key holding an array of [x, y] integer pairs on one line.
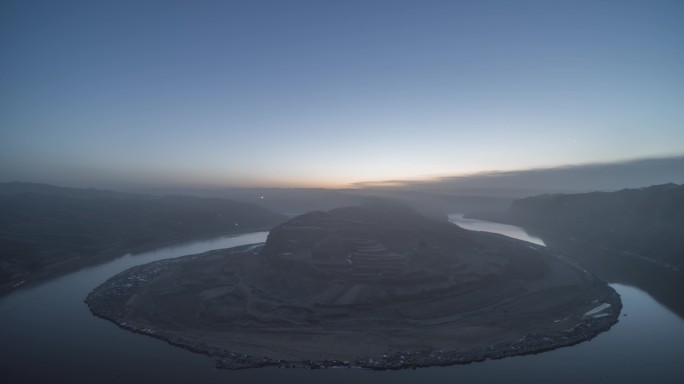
{"points": [[328, 93]]}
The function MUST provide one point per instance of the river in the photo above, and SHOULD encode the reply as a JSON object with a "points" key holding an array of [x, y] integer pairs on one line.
{"points": [[49, 336]]}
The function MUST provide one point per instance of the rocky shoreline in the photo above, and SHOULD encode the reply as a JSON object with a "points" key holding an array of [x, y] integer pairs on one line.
{"points": [[116, 250], [107, 301], [532, 343]]}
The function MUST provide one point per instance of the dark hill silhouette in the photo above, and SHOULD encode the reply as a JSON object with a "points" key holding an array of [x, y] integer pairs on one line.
{"points": [[646, 222], [44, 228]]}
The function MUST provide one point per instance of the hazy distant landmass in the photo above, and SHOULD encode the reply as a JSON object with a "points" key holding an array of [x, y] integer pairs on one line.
{"points": [[377, 286], [646, 222], [609, 176], [296, 201], [44, 228]]}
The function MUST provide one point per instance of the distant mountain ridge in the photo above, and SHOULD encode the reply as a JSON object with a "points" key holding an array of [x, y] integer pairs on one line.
{"points": [[648, 221], [43, 227], [296, 201], [17, 188]]}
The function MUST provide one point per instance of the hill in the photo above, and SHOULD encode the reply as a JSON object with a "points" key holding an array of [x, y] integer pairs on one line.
{"points": [[646, 222], [377, 286], [44, 228]]}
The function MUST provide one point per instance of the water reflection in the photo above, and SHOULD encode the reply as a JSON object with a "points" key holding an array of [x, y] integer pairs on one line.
{"points": [[49, 335], [49, 327], [487, 226], [663, 284]]}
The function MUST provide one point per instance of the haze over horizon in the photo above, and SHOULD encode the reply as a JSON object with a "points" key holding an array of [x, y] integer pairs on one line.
{"points": [[337, 94]]}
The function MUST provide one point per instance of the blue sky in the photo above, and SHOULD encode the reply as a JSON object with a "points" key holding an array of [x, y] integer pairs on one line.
{"points": [[329, 93]]}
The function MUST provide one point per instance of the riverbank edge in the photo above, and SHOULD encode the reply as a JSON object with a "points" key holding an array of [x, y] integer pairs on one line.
{"points": [[531, 343], [542, 232], [65, 267]]}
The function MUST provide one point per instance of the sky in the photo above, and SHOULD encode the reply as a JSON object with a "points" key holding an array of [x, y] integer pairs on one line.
{"points": [[123, 94]]}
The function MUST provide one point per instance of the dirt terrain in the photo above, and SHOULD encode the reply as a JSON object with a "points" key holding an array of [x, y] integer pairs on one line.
{"points": [[377, 286]]}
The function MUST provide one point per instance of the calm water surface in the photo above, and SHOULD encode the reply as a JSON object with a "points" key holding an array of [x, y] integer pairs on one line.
{"points": [[48, 335], [487, 226]]}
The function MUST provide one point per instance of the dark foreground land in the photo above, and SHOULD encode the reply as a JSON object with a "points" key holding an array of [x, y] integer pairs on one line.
{"points": [[377, 287]]}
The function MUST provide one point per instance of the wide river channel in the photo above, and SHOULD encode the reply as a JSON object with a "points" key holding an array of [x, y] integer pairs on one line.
{"points": [[48, 335]]}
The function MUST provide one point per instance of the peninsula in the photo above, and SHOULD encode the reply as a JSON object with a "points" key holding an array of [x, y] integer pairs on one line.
{"points": [[377, 286]]}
